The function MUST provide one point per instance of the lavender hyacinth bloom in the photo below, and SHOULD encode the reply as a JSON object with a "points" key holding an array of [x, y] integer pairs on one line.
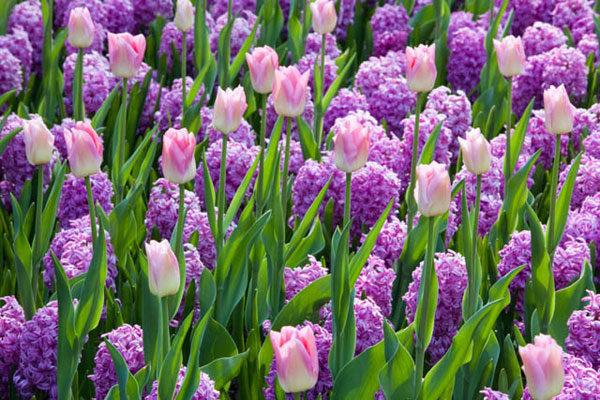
{"points": [[490, 394], [244, 134], [342, 104], [587, 181], [169, 113], [11, 72], [219, 7], [310, 179], [27, 16], [375, 281], [392, 153], [206, 388], [591, 144], [542, 37], [390, 241], [73, 200], [584, 331], [314, 41], [527, 12], [585, 222], [307, 63], [392, 102], [576, 15], [588, 44], [121, 14], [145, 11], [390, 29], [172, 37], [242, 27], [377, 70], [18, 44], [298, 278], [467, 58], [12, 319]]}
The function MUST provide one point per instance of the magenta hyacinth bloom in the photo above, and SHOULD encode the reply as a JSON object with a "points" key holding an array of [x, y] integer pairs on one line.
{"points": [[18, 44], [342, 104], [169, 113], [313, 45], [298, 278], [375, 281], [206, 388], [172, 37], [467, 58], [12, 319], [542, 37], [390, 29], [377, 70], [587, 181], [584, 331], [27, 16], [73, 201]]}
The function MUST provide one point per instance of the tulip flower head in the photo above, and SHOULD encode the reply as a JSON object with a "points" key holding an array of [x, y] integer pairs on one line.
{"points": [[432, 189], [262, 64], [421, 71], [476, 152], [85, 149], [178, 163], [324, 16], [163, 268], [542, 364], [511, 56], [351, 144], [184, 15], [81, 28], [296, 358], [39, 142], [125, 53], [230, 106], [290, 89], [559, 110]]}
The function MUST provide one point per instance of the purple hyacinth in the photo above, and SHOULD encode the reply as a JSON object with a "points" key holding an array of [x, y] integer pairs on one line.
{"points": [[587, 181], [451, 270], [392, 153], [242, 28], [120, 14], [390, 29], [307, 63], [219, 7], [172, 37], [392, 102], [542, 37], [145, 11], [375, 282], [345, 18], [206, 388], [584, 331], [588, 44], [244, 134], [576, 15], [527, 12], [342, 104], [59, 136], [467, 58], [197, 221], [465, 19], [169, 113], [314, 41], [38, 348], [27, 16], [147, 117], [390, 241], [310, 179], [298, 278], [490, 394], [585, 222], [17, 42], [12, 319], [73, 200], [128, 340], [11, 72], [193, 264], [377, 70], [73, 248]]}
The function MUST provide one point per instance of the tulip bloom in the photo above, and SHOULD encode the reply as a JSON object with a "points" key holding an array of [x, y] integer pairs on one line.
{"points": [[296, 358], [163, 268], [262, 64], [184, 15], [324, 16], [476, 152], [289, 91], [432, 190], [85, 149], [421, 71], [542, 364], [178, 163], [39, 142], [125, 53], [559, 110], [351, 144], [81, 28], [229, 109], [511, 56]]}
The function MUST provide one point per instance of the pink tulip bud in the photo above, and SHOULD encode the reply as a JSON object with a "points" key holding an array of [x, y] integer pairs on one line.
{"points": [[476, 152], [39, 142], [432, 190], [324, 16], [126, 53], [542, 364], [81, 28], [163, 268], [296, 358], [559, 110], [229, 109], [289, 91], [84, 147], [178, 163], [511, 55], [420, 68], [262, 63], [184, 15], [351, 144]]}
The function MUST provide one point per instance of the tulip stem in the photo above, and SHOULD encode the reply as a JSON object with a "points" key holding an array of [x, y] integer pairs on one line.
{"points": [[78, 107], [410, 200], [298, 396], [319, 100], [121, 138], [348, 199], [473, 276], [92, 207], [180, 221], [183, 76], [38, 227], [286, 162], [261, 140], [551, 243], [159, 338], [221, 194], [507, 157]]}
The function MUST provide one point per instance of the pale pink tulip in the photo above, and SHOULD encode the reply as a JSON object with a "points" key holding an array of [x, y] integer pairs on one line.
{"points": [[511, 56], [85, 148], [542, 364], [262, 64], [290, 89], [184, 15], [476, 152], [39, 142], [432, 190], [81, 28], [178, 163], [559, 110], [324, 16], [163, 268], [421, 71], [351, 144], [125, 53], [229, 109], [296, 358]]}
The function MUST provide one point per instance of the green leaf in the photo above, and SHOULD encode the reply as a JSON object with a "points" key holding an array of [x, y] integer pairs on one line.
{"points": [[563, 203], [239, 195], [310, 149], [169, 371], [192, 375], [428, 151], [340, 78], [518, 136], [397, 375], [216, 343], [128, 386], [6, 139], [102, 113], [209, 195], [224, 370], [240, 57]]}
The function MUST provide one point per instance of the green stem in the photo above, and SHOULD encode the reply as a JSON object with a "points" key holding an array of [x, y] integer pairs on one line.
{"points": [[39, 207], [508, 157], [319, 103], [286, 162], [261, 140], [180, 221], [410, 200], [92, 207], [183, 74], [78, 107], [553, 186], [221, 194], [348, 199], [122, 139], [473, 276], [298, 396], [159, 337]]}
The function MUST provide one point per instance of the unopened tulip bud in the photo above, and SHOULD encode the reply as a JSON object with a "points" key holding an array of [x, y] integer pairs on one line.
{"points": [[178, 163], [421, 71], [476, 152], [163, 268], [39, 142], [125, 53], [230, 106], [351, 144], [511, 56], [559, 110], [262, 64], [542, 364], [85, 148], [184, 15], [296, 358], [289, 91], [432, 190], [324, 16], [81, 28]]}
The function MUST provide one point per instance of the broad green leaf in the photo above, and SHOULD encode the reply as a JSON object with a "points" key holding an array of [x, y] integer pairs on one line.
{"points": [[128, 386], [397, 375], [169, 371], [563, 203]]}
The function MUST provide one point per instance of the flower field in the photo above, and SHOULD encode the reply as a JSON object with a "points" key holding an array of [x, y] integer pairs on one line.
{"points": [[299, 199]]}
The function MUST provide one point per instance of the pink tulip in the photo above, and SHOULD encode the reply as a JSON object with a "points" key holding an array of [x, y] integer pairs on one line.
{"points": [[559, 110], [296, 358], [178, 163], [511, 55], [324, 16], [262, 63], [351, 144], [126, 53], [184, 15], [476, 152], [81, 28], [289, 91], [229, 109], [84, 147], [432, 190], [420, 68], [163, 268], [39, 142], [542, 364]]}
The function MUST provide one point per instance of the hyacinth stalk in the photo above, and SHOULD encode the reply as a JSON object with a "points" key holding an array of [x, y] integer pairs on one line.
{"points": [[319, 112], [261, 154], [508, 156], [410, 200], [78, 106], [221, 194], [183, 74]]}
